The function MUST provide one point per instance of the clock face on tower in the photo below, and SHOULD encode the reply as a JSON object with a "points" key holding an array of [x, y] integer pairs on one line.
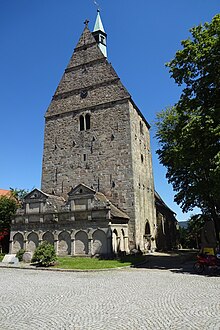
{"points": [[83, 94]]}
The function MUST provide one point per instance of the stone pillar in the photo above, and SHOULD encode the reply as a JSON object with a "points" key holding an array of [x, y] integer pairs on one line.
{"points": [[89, 204], [72, 205], [72, 252], [56, 246], [25, 244], [126, 244], [27, 208], [90, 247], [10, 246]]}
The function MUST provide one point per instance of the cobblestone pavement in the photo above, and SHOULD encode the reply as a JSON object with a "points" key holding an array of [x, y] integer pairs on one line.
{"points": [[116, 299]]}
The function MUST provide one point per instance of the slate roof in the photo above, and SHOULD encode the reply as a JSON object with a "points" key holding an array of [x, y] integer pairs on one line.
{"points": [[115, 212]]}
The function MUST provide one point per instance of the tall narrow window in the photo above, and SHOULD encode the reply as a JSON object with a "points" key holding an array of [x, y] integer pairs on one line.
{"points": [[81, 123], [87, 121], [141, 128]]}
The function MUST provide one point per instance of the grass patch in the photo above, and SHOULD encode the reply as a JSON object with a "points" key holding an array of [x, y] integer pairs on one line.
{"points": [[95, 263]]}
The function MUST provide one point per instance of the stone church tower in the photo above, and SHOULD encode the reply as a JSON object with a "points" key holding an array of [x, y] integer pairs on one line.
{"points": [[95, 135]]}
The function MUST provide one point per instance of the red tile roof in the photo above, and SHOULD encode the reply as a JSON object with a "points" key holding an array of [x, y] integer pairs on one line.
{"points": [[4, 192]]}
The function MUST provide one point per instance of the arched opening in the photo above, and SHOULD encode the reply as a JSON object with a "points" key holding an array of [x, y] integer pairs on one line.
{"points": [[115, 241], [147, 236], [81, 243], [32, 242], [87, 121], [18, 242], [64, 244], [99, 245], [81, 123], [147, 228], [48, 237]]}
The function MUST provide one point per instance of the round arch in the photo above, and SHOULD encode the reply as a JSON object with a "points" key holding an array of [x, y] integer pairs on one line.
{"points": [[48, 237], [64, 243], [81, 243], [147, 229], [99, 244], [18, 242], [115, 241], [32, 242]]}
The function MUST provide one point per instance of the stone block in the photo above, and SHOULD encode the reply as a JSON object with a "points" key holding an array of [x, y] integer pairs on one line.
{"points": [[27, 256], [10, 259]]}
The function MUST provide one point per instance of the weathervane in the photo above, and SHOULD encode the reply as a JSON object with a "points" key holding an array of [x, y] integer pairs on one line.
{"points": [[96, 3]]}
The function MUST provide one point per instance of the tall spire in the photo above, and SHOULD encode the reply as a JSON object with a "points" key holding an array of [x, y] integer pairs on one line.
{"points": [[99, 34]]}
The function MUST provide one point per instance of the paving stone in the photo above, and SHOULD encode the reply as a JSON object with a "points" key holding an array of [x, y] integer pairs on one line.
{"points": [[122, 299]]}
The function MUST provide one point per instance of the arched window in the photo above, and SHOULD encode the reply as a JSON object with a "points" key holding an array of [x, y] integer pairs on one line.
{"points": [[147, 228], [81, 123], [87, 121]]}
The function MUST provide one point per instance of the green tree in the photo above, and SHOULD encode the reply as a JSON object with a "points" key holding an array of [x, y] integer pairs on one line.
{"points": [[19, 193], [189, 132], [8, 207], [195, 225]]}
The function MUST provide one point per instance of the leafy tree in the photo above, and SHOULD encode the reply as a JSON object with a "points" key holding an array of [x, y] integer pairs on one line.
{"points": [[8, 207], [183, 237], [189, 132], [19, 193], [195, 225], [44, 254]]}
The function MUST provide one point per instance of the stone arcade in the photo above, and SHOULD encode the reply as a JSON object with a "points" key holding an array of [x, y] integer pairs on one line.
{"points": [[97, 192]]}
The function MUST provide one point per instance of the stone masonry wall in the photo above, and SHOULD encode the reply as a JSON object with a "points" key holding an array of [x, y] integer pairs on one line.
{"points": [[99, 157], [112, 156], [144, 203]]}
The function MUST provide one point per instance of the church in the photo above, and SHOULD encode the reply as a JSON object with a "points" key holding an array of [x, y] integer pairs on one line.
{"points": [[97, 193]]}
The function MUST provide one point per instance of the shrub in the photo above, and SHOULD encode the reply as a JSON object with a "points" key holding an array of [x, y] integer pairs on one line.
{"points": [[19, 254], [44, 254]]}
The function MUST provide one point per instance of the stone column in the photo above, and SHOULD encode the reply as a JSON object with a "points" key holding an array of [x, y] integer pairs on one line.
{"points": [[126, 244], [90, 247], [10, 246], [72, 205], [41, 209], [56, 246], [72, 252], [27, 208]]}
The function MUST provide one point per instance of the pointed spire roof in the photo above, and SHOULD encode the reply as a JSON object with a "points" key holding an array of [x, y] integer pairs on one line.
{"points": [[88, 71], [98, 23]]}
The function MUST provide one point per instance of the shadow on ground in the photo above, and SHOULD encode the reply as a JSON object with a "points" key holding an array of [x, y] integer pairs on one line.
{"points": [[181, 261]]}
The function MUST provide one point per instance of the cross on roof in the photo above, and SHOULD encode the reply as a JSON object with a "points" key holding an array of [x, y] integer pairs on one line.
{"points": [[86, 22]]}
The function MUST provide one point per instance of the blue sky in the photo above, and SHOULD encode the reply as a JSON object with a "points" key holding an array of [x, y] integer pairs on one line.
{"points": [[37, 40]]}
